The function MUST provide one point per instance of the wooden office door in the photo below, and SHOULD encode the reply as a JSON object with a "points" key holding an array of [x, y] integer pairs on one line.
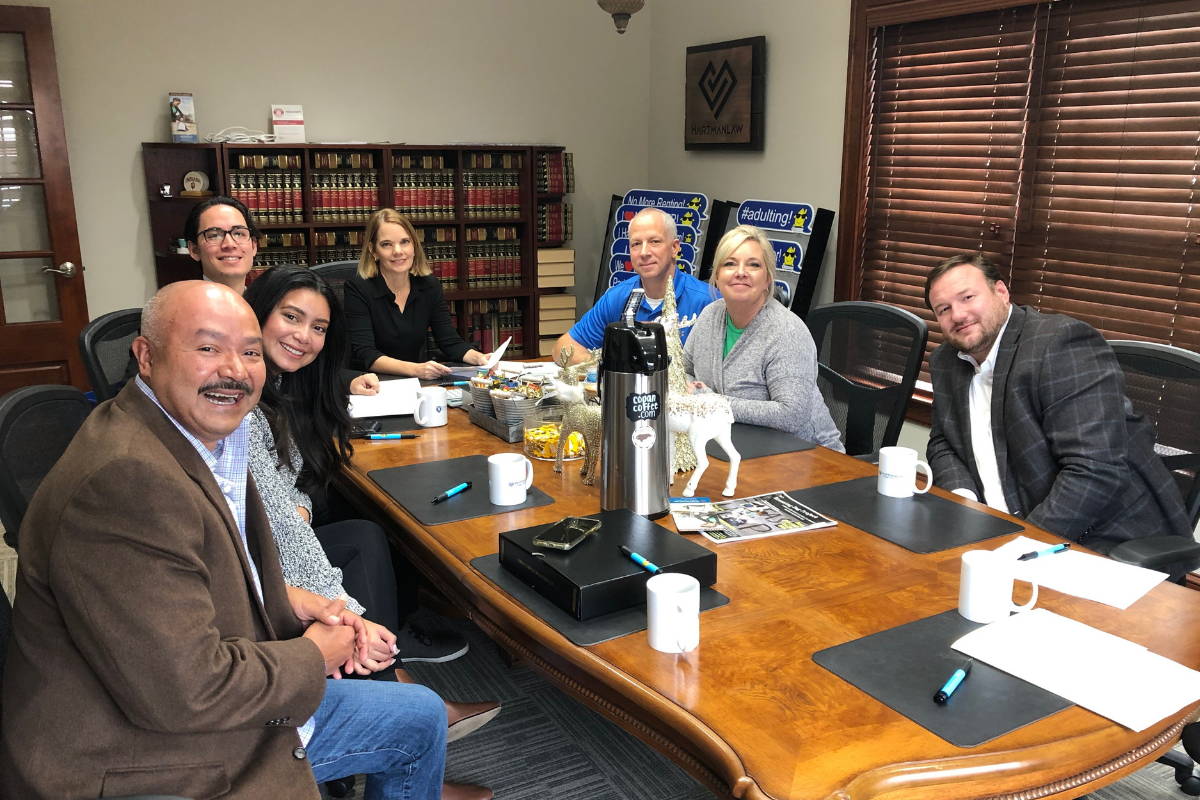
{"points": [[41, 279]]}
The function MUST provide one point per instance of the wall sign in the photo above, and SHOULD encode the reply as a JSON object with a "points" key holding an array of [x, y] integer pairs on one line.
{"points": [[725, 95]]}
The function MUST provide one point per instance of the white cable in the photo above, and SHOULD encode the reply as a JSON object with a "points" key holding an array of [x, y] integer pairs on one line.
{"points": [[239, 135]]}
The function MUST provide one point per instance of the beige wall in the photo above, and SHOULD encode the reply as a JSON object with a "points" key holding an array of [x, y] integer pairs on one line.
{"points": [[806, 100], [398, 70]]}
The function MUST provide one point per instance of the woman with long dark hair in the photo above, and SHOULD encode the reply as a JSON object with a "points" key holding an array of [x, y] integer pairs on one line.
{"points": [[299, 439]]}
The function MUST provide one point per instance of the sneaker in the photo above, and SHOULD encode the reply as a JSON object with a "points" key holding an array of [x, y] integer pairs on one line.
{"points": [[417, 643]]}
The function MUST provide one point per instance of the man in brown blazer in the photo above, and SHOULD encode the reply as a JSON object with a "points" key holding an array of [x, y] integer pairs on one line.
{"points": [[155, 647]]}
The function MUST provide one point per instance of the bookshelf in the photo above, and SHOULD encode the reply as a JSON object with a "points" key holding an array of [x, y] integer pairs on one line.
{"points": [[553, 179], [479, 209]]}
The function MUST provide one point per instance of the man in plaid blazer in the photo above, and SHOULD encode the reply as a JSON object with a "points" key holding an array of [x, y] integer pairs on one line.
{"points": [[1030, 416]]}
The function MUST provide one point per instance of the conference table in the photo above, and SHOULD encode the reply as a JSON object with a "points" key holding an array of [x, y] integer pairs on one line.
{"points": [[749, 713]]}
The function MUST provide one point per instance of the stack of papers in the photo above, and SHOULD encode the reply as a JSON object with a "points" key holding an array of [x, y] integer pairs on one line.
{"points": [[1106, 674], [395, 397], [1082, 575]]}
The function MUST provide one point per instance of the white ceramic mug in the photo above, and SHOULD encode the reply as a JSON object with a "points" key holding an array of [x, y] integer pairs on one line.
{"points": [[898, 468], [431, 407], [509, 477], [985, 587], [673, 612]]}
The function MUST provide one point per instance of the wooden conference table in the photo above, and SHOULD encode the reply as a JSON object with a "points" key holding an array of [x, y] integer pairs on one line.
{"points": [[749, 713]]}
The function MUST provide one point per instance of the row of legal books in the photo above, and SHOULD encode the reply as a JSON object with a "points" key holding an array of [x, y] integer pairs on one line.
{"points": [[350, 196], [275, 257], [490, 322], [352, 239], [273, 197], [492, 233], [494, 194], [424, 195], [443, 261], [493, 265], [432, 235], [555, 172], [418, 161], [327, 254], [555, 221], [268, 161], [281, 239], [502, 160], [343, 160]]}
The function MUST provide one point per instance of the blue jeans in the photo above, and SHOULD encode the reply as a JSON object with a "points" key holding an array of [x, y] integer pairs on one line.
{"points": [[395, 733]]}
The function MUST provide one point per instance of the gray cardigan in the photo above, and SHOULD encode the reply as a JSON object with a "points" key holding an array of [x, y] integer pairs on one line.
{"points": [[770, 376]]}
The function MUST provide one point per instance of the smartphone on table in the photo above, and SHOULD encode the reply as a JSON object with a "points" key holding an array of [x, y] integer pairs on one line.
{"points": [[566, 533]]}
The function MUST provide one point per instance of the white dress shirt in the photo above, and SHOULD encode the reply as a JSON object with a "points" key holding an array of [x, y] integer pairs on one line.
{"points": [[979, 403]]}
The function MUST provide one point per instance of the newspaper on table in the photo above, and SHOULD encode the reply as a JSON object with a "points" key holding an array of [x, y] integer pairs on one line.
{"points": [[747, 517]]}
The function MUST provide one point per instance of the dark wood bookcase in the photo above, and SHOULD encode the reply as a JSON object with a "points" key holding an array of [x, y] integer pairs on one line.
{"points": [[475, 206]]}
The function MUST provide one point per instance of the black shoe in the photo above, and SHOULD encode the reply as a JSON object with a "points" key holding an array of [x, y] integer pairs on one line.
{"points": [[417, 643]]}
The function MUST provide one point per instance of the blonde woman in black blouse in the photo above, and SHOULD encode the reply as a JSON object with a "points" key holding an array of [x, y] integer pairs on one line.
{"points": [[394, 300]]}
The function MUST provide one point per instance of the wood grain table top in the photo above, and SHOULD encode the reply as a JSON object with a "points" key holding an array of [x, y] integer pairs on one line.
{"points": [[748, 711]]}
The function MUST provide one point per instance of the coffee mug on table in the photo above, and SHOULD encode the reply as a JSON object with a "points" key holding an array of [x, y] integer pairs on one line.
{"points": [[431, 407], [898, 468], [673, 612], [509, 477], [985, 587]]}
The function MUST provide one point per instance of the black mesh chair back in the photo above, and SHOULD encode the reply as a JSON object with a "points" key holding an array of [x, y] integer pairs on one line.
{"points": [[868, 358], [1163, 383], [36, 425], [336, 273], [104, 345]]}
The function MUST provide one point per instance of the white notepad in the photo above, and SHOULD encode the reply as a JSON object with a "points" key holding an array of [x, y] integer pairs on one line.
{"points": [[395, 397]]}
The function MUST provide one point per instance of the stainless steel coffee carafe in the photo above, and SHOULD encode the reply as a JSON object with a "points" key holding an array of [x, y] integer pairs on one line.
{"points": [[633, 402]]}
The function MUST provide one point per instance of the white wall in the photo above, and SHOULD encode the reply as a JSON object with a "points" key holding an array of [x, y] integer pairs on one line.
{"points": [[376, 70]]}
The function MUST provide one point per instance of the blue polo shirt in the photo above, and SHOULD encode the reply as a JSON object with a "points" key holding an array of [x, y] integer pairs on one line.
{"points": [[691, 296]]}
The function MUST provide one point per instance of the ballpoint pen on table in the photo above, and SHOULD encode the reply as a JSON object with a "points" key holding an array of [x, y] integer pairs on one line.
{"points": [[1049, 551], [390, 436], [955, 680], [453, 490]]}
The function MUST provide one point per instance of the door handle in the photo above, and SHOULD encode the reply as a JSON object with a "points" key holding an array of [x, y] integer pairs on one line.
{"points": [[66, 269]]}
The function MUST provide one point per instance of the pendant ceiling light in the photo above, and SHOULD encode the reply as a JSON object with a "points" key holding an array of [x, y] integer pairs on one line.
{"points": [[621, 11]]}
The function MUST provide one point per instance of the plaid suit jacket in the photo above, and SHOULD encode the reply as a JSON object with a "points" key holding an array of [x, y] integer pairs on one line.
{"points": [[1072, 456]]}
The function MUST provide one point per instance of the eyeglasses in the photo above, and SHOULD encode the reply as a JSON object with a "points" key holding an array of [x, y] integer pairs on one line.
{"points": [[240, 234]]}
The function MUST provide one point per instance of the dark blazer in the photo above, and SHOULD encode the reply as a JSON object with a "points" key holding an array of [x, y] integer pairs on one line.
{"points": [[378, 328], [1072, 456], [142, 660]]}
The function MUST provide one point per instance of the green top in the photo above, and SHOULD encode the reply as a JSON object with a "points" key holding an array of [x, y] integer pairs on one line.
{"points": [[732, 334]]}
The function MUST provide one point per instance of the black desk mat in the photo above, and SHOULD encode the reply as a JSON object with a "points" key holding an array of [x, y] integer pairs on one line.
{"points": [[903, 667], [755, 441], [922, 523], [414, 486], [584, 634]]}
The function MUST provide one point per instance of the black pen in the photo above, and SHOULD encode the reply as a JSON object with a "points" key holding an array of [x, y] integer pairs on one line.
{"points": [[641, 561], [389, 436], [1049, 551], [453, 490], [948, 688]]}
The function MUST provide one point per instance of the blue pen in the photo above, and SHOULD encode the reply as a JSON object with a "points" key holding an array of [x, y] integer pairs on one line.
{"points": [[456, 383], [1049, 551], [453, 490], [641, 561], [948, 688], [389, 436]]}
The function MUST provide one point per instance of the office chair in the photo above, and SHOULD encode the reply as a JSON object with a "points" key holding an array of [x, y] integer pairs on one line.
{"points": [[868, 358], [336, 273], [5, 624], [104, 345], [36, 425]]}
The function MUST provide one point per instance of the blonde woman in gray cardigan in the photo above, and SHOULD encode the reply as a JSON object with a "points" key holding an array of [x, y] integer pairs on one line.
{"points": [[754, 351]]}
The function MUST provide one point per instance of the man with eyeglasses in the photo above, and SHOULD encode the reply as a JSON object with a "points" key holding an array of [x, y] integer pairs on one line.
{"points": [[222, 236]]}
